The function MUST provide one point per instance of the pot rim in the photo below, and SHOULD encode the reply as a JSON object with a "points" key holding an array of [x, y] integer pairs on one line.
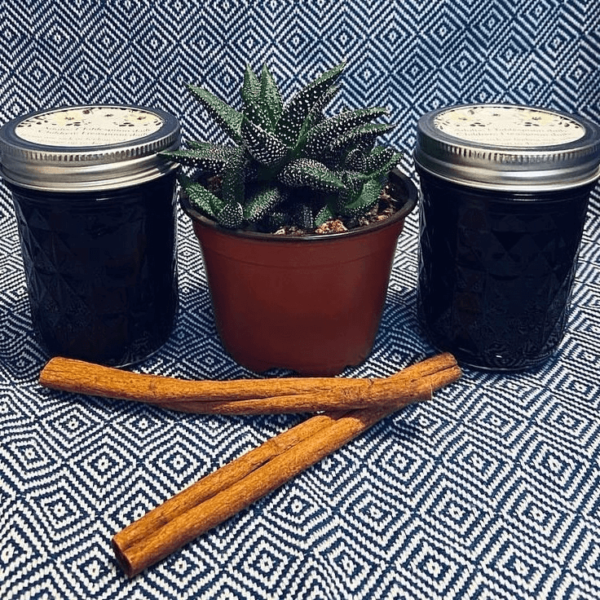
{"points": [[409, 205]]}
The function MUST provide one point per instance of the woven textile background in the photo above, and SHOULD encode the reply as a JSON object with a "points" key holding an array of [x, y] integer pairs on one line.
{"points": [[491, 491]]}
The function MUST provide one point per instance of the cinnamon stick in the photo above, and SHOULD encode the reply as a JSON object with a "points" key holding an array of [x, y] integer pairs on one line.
{"points": [[81, 377], [378, 392], [195, 512], [215, 482], [240, 397], [240, 467]]}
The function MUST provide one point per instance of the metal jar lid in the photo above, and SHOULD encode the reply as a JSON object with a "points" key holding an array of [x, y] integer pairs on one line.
{"points": [[87, 148], [508, 147]]}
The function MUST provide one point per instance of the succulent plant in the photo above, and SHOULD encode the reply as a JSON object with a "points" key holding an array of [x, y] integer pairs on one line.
{"points": [[291, 164]]}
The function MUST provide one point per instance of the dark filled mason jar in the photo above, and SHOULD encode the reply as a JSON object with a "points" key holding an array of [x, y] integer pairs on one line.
{"points": [[96, 213], [505, 195]]}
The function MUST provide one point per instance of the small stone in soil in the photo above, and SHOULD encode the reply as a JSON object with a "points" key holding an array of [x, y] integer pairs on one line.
{"points": [[332, 226]]}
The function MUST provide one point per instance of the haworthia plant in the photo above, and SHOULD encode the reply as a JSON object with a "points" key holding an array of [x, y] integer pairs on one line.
{"points": [[291, 164]]}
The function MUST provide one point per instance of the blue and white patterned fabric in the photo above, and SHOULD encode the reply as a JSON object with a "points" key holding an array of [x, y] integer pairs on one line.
{"points": [[490, 491]]}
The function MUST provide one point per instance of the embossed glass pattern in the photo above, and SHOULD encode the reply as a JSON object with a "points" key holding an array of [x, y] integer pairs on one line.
{"points": [[506, 190], [95, 207], [496, 271], [101, 269]]}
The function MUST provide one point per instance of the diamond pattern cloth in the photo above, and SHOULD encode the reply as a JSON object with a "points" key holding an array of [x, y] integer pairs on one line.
{"points": [[490, 491]]}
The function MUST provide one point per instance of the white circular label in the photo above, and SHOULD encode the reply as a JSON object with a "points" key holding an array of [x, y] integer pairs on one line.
{"points": [[89, 126], [509, 126]]}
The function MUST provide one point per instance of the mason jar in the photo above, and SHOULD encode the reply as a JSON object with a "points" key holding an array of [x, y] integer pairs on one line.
{"points": [[96, 213], [505, 194]]}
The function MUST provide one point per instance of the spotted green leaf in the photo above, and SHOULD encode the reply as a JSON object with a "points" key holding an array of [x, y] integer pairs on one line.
{"points": [[226, 116], [201, 198], [364, 134], [270, 98], [262, 145], [251, 87], [368, 196], [326, 213], [382, 160], [303, 216], [297, 109], [310, 173], [263, 201], [319, 137], [208, 157], [355, 160], [353, 181], [254, 109], [231, 215], [233, 177], [314, 117]]}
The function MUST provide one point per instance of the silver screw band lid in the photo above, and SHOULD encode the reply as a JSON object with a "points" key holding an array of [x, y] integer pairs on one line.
{"points": [[87, 148], [508, 147]]}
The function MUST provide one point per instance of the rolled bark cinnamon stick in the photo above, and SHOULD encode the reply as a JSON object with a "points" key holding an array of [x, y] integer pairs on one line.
{"points": [[81, 377], [180, 525], [238, 397], [219, 480], [379, 392], [242, 466]]}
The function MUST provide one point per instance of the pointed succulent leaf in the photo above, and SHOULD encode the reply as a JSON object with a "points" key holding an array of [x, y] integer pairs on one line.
{"points": [[377, 157], [233, 177], [208, 157], [310, 173], [228, 118], [319, 137], [250, 87], [314, 117], [197, 145], [336, 156], [270, 98], [356, 160], [303, 216], [297, 109], [354, 180], [262, 100], [231, 215], [257, 115], [326, 213], [321, 104], [201, 198], [263, 146], [364, 134], [361, 203], [380, 163], [262, 202], [254, 110]]}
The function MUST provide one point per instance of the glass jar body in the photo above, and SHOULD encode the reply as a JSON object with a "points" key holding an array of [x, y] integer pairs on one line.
{"points": [[101, 269], [496, 270]]}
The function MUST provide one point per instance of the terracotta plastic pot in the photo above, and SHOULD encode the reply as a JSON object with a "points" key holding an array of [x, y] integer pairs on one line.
{"points": [[312, 303]]}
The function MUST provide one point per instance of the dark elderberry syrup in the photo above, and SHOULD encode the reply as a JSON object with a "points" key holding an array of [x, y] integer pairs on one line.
{"points": [[505, 194], [496, 271], [96, 213]]}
